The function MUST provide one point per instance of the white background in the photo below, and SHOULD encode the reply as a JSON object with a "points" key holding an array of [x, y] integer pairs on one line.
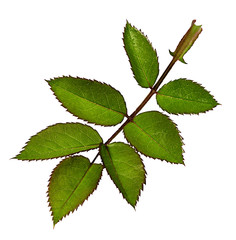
{"points": [[45, 39]]}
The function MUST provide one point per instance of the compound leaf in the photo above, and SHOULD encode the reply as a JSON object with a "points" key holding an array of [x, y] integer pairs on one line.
{"points": [[142, 56], [185, 96], [155, 135], [71, 183], [60, 140], [125, 168], [89, 100]]}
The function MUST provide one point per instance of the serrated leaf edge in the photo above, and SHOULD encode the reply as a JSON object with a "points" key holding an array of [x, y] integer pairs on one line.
{"points": [[140, 64], [76, 208], [162, 159], [125, 115], [187, 99], [72, 154], [145, 174]]}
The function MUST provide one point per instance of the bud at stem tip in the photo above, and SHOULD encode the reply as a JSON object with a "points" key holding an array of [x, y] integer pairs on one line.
{"points": [[186, 42]]}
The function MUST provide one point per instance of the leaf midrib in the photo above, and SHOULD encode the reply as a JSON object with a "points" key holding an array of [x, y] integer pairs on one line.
{"points": [[184, 99], [70, 148], [91, 101], [117, 175], [138, 58], [82, 145], [76, 187], [62, 154], [153, 139]]}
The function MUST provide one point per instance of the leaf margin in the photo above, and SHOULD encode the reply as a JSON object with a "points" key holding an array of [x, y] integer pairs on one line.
{"points": [[194, 82], [150, 44], [86, 199], [162, 159], [99, 82], [108, 172], [62, 156]]}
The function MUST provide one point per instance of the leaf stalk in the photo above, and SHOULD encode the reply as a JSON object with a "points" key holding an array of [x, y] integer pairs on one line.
{"points": [[184, 45], [143, 103]]}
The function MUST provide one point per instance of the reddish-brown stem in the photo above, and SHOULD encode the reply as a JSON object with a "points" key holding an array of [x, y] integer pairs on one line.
{"points": [[184, 45], [142, 104]]}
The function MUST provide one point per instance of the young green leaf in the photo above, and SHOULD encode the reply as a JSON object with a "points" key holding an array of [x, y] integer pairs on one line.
{"points": [[71, 183], [142, 56], [155, 135], [60, 140], [125, 168], [89, 100], [185, 96]]}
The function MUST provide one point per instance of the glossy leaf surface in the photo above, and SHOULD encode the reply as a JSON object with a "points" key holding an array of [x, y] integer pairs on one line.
{"points": [[125, 168], [155, 135], [71, 183], [142, 56], [89, 100], [185, 96], [60, 140]]}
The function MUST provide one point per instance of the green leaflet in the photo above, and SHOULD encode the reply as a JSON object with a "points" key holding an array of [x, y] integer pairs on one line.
{"points": [[89, 100], [142, 56], [125, 168], [155, 135], [185, 96], [71, 183], [60, 140]]}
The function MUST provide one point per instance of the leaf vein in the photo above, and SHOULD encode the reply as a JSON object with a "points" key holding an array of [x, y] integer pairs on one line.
{"points": [[184, 99], [91, 101], [117, 175], [153, 139]]}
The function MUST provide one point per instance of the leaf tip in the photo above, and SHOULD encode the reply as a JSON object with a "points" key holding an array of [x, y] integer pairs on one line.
{"points": [[19, 156], [127, 23], [182, 60], [171, 53], [80, 167], [133, 206], [54, 224]]}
